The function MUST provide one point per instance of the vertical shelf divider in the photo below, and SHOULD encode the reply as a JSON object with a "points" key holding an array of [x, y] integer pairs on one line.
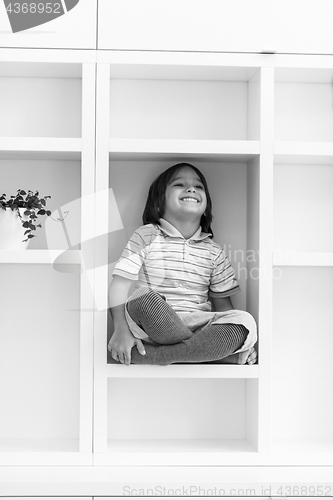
{"points": [[252, 290], [252, 282], [87, 233], [101, 272], [265, 256]]}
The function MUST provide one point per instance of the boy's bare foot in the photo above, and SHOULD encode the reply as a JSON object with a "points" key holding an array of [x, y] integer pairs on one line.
{"points": [[249, 357]]}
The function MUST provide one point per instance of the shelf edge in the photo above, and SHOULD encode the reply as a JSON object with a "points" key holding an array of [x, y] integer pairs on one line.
{"points": [[183, 371]]}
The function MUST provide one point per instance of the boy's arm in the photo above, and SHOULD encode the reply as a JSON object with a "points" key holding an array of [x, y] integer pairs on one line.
{"points": [[122, 340], [118, 294], [222, 304]]}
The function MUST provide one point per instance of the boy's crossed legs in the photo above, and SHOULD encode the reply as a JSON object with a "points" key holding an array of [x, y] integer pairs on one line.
{"points": [[177, 343]]}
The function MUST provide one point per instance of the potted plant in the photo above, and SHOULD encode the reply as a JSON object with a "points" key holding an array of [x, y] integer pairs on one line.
{"points": [[18, 218]]}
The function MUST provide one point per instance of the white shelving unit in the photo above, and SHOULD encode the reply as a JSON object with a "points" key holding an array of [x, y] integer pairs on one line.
{"points": [[47, 144], [105, 124]]}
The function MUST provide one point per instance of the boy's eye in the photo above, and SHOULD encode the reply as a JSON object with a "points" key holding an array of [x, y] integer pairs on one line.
{"points": [[181, 184]]}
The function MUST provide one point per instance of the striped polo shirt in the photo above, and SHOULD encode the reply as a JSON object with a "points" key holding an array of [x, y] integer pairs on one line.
{"points": [[185, 271]]}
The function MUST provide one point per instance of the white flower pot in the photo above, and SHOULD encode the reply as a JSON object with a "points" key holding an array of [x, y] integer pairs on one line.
{"points": [[11, 230]]}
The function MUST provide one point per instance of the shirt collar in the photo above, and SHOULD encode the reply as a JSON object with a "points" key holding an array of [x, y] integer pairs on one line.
{"points": [[170, 230]]}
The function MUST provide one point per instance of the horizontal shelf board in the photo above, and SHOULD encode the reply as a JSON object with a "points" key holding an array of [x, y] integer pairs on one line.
{"points": [[201, 454], [110, 481], [39, 256], [182, 371], [180, 65], [303, 152], [40, 69], [179, 445], [287, 62], [39, 445], [303, 446], [181, 72], [42, 452], [145, 148], [290, 258], [304, 75], [40, 147], [176, 452]]}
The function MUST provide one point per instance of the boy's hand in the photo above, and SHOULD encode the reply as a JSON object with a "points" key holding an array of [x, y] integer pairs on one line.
{"points": [[121, 344]]}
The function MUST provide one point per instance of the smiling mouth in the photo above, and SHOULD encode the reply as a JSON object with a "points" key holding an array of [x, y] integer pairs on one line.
{"points": [[190, 199]]}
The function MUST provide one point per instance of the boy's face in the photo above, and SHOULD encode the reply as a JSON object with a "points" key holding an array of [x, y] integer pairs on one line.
{"points": [[185, 196]]}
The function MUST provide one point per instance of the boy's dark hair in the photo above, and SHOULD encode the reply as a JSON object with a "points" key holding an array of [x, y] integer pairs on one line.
{"points": [[155, 203]]}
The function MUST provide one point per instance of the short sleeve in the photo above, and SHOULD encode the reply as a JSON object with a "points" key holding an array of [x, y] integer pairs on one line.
{"points": [[132, 257], [223, 281]]}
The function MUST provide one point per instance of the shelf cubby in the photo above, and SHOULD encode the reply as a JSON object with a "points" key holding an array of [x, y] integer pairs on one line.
{"points": [[194, 428], [58, 178], [41, 100], [191, 102], [303, 105], [303, 205], [40, 362], [302, 407]]}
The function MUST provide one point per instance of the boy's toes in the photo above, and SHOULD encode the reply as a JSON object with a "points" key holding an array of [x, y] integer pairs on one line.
{"points": [[248, 357], [243, 356], [253, 357]]}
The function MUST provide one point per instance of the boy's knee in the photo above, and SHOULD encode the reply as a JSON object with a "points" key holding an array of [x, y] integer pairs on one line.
{"points": [[249, 317], [246, 319], [250, 323], [141, 298]]}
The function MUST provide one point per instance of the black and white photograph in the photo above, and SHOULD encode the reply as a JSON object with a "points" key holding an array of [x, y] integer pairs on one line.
{"points": [[166, 249]]}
